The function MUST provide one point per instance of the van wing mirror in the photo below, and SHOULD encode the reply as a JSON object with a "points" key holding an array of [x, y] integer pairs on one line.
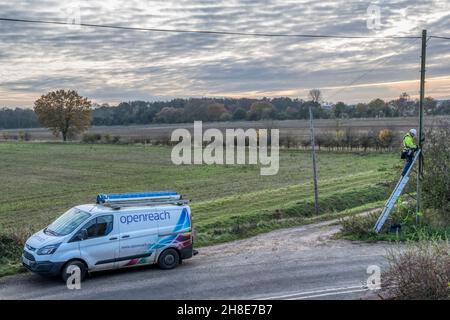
{"points": [[82, 234]]}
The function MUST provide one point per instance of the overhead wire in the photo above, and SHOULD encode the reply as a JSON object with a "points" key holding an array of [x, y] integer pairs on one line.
{"points": [[212, 32]]}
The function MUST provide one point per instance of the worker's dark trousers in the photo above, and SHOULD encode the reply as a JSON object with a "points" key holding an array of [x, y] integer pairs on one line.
{"points": [[408, 163]]}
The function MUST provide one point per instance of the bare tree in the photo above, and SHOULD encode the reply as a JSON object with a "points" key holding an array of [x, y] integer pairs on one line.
{"points": [[315, 95]]}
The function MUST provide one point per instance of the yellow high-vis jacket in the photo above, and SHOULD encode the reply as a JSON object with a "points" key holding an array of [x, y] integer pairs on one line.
{"points": [[408, 142]]}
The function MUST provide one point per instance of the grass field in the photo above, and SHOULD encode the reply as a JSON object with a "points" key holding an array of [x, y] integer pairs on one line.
{"points": [[39, 181]]}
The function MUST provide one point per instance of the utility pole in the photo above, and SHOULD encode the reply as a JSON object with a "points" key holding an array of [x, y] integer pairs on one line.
{"points": [[313, 150], [421, 137]]}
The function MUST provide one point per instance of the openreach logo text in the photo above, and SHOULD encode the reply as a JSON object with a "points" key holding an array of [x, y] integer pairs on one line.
{"points": [[239, 146], [144, 217]]}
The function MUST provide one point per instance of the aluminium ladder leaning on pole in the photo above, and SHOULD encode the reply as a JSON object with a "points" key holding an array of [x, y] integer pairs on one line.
{"points": [[389, 205]]}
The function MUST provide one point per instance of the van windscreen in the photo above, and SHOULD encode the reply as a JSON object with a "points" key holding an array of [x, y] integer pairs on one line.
{"points": [[67, 223]]}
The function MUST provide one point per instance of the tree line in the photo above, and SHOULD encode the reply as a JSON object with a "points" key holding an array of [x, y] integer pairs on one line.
{"points": [[228, 109], [347, 139]]}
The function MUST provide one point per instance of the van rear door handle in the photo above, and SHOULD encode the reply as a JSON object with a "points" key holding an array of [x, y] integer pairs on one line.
{"points": [[125, 236], [113, 238]]}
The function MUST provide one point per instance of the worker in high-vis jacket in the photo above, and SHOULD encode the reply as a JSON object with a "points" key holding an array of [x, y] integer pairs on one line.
{"points": [[409, 148]]}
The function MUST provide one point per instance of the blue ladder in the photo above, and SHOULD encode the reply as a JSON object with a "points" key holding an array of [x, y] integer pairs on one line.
{"points": [[390, 203]]}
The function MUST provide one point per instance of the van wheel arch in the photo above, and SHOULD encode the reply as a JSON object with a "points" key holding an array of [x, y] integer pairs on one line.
{"points": [[175, 248], [76, 259]]}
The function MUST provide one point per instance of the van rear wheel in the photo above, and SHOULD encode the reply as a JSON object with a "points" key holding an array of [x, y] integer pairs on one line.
{"points": [[70, 268], [168, 259]]}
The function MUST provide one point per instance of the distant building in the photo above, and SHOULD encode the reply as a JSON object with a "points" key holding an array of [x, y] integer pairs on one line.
{"points": [[328, 106], [440, 103]]}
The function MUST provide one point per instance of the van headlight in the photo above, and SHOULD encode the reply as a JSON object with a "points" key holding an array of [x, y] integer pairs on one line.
{"points": [[50, 249]]}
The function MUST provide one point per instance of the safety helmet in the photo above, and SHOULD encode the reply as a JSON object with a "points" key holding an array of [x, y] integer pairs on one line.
{"points": [[413, 132]]}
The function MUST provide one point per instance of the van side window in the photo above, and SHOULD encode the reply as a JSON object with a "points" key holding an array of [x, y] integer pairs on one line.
{"points": [[91, 228], [104, 225], [100, 226]]}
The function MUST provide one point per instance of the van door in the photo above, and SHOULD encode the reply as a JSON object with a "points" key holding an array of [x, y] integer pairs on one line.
{"points": [[101, 247], [138, 237]]}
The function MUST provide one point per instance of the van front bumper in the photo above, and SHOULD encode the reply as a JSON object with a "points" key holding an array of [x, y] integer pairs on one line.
{"points": [[45, 268]]}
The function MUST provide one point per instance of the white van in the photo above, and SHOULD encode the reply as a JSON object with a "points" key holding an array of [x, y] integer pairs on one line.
{"points": [[120, 230]]}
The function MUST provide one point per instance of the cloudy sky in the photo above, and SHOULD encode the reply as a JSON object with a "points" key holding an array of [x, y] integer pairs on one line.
{"points": [[110, 66]]}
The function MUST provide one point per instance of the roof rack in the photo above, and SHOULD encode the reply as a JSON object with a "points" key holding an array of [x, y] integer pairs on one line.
{"points": [[119, 200]]}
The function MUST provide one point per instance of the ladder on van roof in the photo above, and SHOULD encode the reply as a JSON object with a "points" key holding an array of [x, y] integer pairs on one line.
{"points": [[156, 198], [390, 203]]}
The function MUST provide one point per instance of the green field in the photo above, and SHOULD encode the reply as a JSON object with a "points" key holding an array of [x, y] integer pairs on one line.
{"points": [[39, 181]]}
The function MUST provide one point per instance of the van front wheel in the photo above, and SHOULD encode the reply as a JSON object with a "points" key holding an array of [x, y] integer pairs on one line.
{"points": [[70, 268], [168, 259]]}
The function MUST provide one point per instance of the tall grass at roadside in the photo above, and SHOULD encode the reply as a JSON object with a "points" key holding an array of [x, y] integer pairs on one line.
{"points": [[419, 271], [11, 246]]}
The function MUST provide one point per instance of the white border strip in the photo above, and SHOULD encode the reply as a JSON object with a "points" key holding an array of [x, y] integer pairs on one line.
{"points": [[301, 293]]}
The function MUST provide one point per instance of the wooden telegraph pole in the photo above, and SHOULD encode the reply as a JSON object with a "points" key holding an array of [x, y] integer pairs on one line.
{"points": [[313, 150], [421, 136]]}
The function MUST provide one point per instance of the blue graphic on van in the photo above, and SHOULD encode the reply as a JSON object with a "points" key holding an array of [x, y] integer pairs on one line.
{"points": [[151, 216], [184, 223], [181, 238]]}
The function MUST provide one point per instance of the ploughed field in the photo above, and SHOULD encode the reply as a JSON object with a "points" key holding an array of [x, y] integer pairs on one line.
{"points": [[39, 181], [297, 129]]}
